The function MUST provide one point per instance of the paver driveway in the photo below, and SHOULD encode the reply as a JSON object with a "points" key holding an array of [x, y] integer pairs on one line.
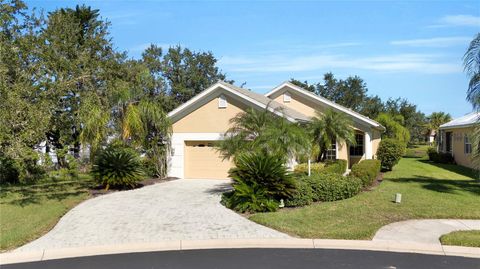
{"points": [[176, 210]]}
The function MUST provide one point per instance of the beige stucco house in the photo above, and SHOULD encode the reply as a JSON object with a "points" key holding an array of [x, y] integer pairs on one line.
{"points": [[455, 137], [204, 119]]}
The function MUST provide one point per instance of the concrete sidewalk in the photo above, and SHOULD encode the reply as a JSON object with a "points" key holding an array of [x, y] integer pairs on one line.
{"points": [[423, 231], [52, 254]]}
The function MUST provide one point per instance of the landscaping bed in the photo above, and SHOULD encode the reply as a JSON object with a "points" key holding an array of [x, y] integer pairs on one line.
{"points": [[429, 191]]}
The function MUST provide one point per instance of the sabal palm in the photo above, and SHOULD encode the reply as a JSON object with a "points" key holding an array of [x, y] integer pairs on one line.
{"points": [[328, 127]]}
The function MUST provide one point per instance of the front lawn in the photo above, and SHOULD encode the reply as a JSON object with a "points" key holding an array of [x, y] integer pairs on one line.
{"points": [[462, 238], [428, 191], [28, 211]]}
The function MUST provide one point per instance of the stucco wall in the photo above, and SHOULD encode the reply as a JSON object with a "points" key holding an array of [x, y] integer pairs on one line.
{"points": [[458, 148], [209, 118], [299, 104]]}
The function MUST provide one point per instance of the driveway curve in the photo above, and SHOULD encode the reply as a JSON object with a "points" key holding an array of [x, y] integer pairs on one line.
{"points": [[185, 209]]}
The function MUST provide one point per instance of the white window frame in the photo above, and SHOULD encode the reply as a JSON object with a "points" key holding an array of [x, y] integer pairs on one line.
{"points": [[331, 153], [467, 145], [222, 101], [287, 97]]}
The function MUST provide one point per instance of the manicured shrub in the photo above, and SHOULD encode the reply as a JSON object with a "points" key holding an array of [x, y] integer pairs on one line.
{"points": [[431, 152], [249, 198], [367, 171], [335, 166], [117, 166], [440, 157], [267, 171], [303, 168], [390, 152], [23, 170], [9, 170], [302, 196], [332, 187], [260, 180]]}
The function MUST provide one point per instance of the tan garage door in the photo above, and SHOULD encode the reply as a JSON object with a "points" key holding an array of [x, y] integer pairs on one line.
{"points": [[203, 161]]}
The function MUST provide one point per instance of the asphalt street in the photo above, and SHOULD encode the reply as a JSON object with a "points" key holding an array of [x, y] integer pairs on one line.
{"points": [[258, 258]]}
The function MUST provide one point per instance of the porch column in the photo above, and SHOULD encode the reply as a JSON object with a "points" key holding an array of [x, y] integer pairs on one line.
{"points": [[368, 145]]}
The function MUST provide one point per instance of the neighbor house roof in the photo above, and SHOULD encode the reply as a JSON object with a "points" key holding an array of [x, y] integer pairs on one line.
{"points": [[243, 94], [327, 102], [465, 121]]}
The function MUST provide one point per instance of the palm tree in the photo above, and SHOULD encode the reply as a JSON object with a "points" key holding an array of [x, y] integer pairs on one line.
{"points": [[328, 127], [472, 67], [146, 125], [262, 130], [436, 119]]}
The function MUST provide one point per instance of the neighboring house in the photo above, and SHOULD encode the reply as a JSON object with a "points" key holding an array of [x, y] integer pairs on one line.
{"points": [[430, 137], [204, 119], [455, 137]]}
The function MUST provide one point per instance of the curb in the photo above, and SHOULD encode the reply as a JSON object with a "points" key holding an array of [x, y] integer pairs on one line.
{"points": [[390, 246]]}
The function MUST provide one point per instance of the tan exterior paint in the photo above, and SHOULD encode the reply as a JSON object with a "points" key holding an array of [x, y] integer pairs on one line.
{"points": [[376, 138], [299, 104], [203, 161], [458, 146], [209, 118]]}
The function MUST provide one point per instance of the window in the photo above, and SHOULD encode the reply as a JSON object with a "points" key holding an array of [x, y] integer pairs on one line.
{"points": [[222, 101], [286, 97], [467, 145], [358, 149], [332, 151]]}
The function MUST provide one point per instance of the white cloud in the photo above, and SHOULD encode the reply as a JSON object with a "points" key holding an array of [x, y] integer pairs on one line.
{"points": [[420, 63], [433, 42], [457, 20]]}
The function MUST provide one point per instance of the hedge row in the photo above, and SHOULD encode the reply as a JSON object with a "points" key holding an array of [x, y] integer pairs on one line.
{"points": [[336, 166], [314, 168], [439, 157], [367, 171], [324, 187]]}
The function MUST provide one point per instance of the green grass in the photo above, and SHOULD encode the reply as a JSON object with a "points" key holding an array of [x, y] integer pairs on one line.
{"points": [[428, 191], [416, 151], [28, 211], [462, 238]]}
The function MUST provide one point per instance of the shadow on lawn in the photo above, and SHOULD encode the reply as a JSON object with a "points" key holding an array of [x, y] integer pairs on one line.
{"points": [[23, 195], [462, 170], [443, 185]]}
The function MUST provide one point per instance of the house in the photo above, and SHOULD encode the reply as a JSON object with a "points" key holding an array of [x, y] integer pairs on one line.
{"points": [[455, 137], [204, 119]]}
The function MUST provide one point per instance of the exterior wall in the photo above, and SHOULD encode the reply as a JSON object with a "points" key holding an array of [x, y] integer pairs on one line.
{"points": [[299, 104], [207, 123], [209, 118], [458, 147], [376, 138]]}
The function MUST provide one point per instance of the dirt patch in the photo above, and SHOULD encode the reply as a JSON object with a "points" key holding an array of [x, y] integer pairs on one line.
{"points": [[100, 190]]}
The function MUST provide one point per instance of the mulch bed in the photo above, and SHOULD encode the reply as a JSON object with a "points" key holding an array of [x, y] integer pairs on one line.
{"points": [[100, 190]]}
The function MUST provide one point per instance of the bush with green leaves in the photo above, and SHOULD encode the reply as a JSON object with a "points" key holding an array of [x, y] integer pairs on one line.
{"points": [[266, 170], [249, 198], [332, 187], [367, 171], [260, 180], [441, 157], [335, 166], [117, 166], [22, 170], [303, 195], [389, 152], [302, 168]]}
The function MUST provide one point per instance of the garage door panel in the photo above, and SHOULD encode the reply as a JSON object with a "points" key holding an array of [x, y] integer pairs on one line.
{"points": [[203, 161]]}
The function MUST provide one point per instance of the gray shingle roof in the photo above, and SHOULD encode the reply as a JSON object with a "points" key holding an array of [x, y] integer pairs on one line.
{"points": [[268, 102]]}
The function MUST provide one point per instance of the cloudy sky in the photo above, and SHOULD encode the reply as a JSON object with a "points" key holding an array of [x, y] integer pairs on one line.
{"points": [[410, 49]]}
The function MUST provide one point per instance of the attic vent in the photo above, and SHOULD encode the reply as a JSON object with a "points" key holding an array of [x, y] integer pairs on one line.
{"points": [[286, 97], [222, 101]]}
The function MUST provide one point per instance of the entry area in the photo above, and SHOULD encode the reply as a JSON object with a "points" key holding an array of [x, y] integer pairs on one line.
{"points": [[203, 161]]}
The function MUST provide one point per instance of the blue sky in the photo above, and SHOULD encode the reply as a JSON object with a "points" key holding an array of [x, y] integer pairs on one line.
{"points": [[409, 49]]}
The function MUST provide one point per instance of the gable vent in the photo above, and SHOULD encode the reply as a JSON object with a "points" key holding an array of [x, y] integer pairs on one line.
{"points": [[286, 97], [222, 101]]}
